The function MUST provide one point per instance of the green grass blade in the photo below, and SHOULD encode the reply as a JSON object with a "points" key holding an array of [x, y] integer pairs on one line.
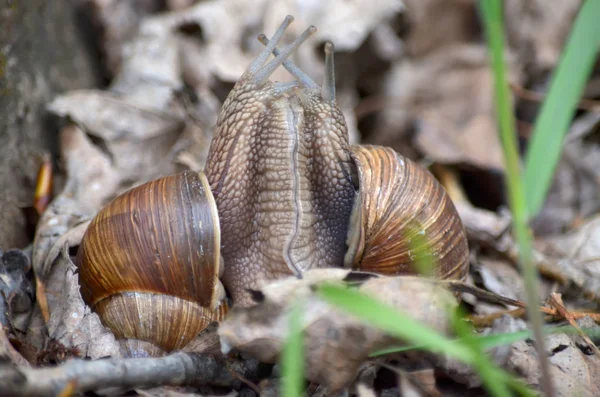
{"points": [[292, 356], [392, 321], [492, 377], [485, 341], [566, 87], [495, 340], [494, 27]]}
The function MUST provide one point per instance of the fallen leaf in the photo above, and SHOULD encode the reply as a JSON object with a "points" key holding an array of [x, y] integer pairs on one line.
{"points": [[116, 21], [537, 32], [71, 322], [8, 352], [575, 190], [434, 24], [91, 181], [577, 255], [572, 372], [448, 96], [336, 344]]}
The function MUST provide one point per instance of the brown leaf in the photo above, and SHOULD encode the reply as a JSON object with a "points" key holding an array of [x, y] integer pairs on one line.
{"points": [[436, 24], [537, 31], [575, 190], [117, 21], [448, 96], [577, 255], [572, 372], [336, 344], [91, 182], [71, 322], [8, 351]]}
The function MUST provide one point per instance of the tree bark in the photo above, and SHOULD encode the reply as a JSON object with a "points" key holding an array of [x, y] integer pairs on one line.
{"points": [[42, 53]]}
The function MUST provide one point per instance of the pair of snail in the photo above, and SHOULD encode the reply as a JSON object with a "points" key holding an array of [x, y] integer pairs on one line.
{"points": [[282, 192]]}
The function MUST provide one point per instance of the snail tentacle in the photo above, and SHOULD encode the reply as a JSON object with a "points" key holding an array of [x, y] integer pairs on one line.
{"points": [[328, 88], [260, 60], [291, 67], [261, 76]]}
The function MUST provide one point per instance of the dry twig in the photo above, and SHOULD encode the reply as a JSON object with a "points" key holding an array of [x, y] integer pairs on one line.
{"points": [[177, 369]]}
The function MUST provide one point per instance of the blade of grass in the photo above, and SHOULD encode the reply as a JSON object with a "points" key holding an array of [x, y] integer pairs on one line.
{"points": [[493, 22], [485, 341], [410, 330], [292, 356], [491, 376], [495, 340], [566, 87], [392, 321]]}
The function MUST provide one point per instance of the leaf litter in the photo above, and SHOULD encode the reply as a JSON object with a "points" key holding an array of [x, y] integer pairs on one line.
{"points": [[413, 75]]}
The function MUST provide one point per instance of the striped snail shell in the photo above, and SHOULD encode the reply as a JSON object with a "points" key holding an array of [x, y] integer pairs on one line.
{"points": [[402, 215], [149, 264]]}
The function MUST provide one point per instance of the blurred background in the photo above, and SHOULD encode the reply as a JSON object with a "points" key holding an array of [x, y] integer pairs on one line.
{"points": [[412, 74]]}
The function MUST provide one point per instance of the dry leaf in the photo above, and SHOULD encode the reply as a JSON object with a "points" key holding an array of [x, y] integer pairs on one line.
{"points": [[502, 279], [435, 24], [448, 96], [465, 374], [347, 24], [8, 352], [572, 372], [485, 227], [91, 181], [117, 21], [577, 255], [537, 29], [71, 322], [336, 344], [575, 190]]}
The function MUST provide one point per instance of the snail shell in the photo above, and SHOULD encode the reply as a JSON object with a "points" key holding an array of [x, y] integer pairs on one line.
{"points": [[402, 215], [149, 263]]}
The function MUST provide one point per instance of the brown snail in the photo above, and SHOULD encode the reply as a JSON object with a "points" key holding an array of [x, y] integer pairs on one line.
{"points": [[149, 264], [287, 193]]}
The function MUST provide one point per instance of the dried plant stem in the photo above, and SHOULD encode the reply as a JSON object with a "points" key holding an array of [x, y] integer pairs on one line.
{"points": [[80, 376]]}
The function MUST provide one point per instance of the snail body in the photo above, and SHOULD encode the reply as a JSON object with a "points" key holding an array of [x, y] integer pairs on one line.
{"points": [[282, 192], [280, 173]]}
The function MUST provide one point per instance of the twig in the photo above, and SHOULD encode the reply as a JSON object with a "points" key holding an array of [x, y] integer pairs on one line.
{"points": [[486, 320], [556, 301], [487, 296], [177, 369]]}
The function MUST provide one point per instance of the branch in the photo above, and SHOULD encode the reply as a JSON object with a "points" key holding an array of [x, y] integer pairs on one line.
{"points": [[177, 369]]}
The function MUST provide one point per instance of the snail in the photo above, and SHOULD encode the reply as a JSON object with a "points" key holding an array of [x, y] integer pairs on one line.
{"points": [[149, 264], [282, 192]]}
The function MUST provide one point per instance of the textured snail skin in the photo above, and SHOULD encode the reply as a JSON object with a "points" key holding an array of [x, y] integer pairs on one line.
{"points": [[149, 262], [293, 195], [279, 169]]}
